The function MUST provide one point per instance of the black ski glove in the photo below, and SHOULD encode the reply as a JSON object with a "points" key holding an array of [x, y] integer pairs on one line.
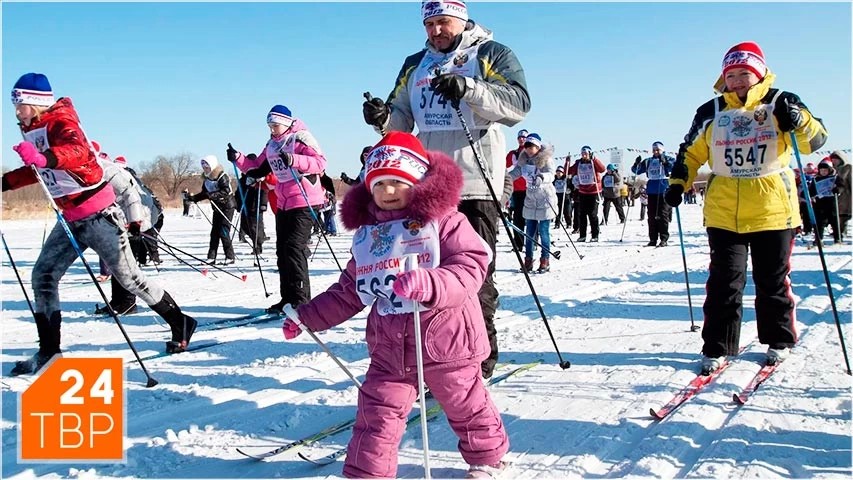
{"points": [[231, 154], [790, 117], [674, 195], [287, 159], [376, 112], [449, 85]]}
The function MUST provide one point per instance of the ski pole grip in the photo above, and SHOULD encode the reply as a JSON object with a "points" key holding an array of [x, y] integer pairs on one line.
{"points": [[291, 314], [367, 96], [409, 263]]}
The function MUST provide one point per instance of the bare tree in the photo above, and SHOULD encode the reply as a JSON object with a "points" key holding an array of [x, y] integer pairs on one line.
{"points": [[170, 174]]}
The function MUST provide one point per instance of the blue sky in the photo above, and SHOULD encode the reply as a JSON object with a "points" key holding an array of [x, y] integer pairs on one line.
{"points": [[164, 78]]}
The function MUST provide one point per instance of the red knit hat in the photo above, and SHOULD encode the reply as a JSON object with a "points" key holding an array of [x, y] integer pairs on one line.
{"points": [[120, 160], [746, 55], [399, 156]]}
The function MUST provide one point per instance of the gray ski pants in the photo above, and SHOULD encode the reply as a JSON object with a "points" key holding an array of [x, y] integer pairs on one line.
{"points": [[106, 234]]}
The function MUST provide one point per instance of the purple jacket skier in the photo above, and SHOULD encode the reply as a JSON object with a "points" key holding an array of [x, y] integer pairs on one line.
{"points": [[409, 207]]}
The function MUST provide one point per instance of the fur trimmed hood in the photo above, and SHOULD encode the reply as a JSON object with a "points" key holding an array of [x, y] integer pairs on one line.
{"points": [[437, 194]]}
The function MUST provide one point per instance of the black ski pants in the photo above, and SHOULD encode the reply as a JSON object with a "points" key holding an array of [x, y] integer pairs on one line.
{"points": [[292, 231], [804, 215], [518, 218], [588, 212], [660, 214], [617, 204], [220, 229], [564, 210], [825, 214], [774, 301], [483, 214]]}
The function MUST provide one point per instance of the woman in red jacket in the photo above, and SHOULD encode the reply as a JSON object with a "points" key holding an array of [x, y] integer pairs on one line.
{"points": [[588, 171], [54, 143]]}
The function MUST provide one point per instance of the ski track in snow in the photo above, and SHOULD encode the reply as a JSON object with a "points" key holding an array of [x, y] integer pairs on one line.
{"points": [[619, 315]]}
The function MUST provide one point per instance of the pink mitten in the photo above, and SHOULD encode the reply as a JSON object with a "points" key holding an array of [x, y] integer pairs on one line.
{"points": [[415, 285], [30, 154], [291, 329]]}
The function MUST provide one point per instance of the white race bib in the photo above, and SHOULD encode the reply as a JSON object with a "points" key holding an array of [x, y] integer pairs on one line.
{"points": [[824, 186], [586, 173], [655, 169], [529, 173], [432, 112], [59, 182], [274, 148], [744, 143], [380, 251]]}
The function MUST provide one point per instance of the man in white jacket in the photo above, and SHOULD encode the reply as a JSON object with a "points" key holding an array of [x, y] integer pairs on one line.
{"points": [[461, 64]]}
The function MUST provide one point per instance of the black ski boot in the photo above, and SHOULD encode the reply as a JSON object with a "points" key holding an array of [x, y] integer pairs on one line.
{"points": [[49, 338], [276, 308], [183, 326]]}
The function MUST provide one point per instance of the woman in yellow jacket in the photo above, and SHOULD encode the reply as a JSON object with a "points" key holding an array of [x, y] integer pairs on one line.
{"points": [[750, 202]]}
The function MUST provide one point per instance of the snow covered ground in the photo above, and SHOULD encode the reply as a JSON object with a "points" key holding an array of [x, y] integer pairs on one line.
{"points": [[620, 315]]}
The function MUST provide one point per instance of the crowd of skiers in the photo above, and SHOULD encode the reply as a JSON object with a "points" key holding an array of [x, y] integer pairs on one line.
{"points": [[438, 197], [574, 193]]}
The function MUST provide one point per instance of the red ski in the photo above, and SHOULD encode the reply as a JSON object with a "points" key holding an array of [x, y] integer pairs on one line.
{"points": [[757, 380], [689, 391]]}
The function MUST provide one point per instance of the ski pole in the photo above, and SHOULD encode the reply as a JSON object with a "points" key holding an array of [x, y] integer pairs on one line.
{"points": [[239, 187], [411, 263], [44, 231], [564, 364], [291, 314], [170, 252], [224, 235], [627, 211], [298, 180], [230, 224], [819, 242], [203, 214], [315, 249], [693, 326], [255, 245], [61, 219], [242, 278], [837, 219], [572, 242], [20, 282], [555, 253]]}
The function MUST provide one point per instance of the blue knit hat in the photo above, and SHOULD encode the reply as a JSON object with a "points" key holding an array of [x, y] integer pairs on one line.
{"points": [[533, 139], [280, 115], [658, 145], [587, 149], [33, 89]]}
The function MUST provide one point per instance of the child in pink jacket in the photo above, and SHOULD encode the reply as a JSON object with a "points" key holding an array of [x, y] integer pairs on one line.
{"points": [[409, 206], [294, 157]]}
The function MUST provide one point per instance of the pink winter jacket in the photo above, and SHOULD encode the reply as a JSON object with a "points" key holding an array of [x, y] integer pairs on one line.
{"points": [[308, 162], [452, 327]]}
